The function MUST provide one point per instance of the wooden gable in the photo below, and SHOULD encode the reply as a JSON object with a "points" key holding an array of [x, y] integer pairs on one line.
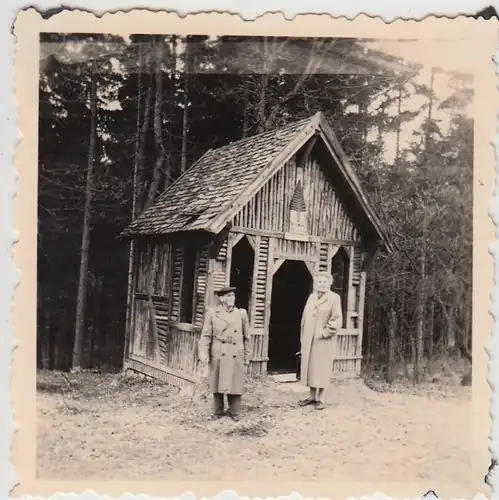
{"points": [[271, 208]]}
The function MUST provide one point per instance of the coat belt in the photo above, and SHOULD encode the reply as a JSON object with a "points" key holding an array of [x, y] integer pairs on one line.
{"points": [[225, 340]]}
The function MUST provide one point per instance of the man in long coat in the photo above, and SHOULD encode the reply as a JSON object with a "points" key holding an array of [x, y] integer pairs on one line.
{"points": [[321, 320], [225, 344]]}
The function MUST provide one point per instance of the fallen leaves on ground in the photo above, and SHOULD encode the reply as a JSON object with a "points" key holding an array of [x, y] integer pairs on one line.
{"points": [[107, 426]]}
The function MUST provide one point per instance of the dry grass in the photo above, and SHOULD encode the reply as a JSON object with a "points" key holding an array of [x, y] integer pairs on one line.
{"points": [[110, 427]]}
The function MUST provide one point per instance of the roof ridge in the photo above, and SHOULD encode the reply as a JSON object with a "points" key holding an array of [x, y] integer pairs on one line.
{"points": [[269, 132]]}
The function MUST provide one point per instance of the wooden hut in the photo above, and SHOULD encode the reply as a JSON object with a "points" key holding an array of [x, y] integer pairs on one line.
{"points": [[263, 214]]}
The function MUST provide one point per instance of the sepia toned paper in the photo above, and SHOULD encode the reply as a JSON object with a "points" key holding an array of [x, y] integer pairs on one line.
{"points": [[461, 45]]}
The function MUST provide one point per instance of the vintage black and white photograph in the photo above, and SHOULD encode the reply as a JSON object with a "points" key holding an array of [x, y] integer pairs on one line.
{"points": [[255, 258]]}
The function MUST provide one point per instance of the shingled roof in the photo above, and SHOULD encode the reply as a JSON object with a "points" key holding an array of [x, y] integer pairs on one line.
{"points": [[212, 191], [196, 197]]}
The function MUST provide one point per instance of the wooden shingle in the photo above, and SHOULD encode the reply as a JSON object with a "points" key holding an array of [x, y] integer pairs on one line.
{"points": [[202, 192]]}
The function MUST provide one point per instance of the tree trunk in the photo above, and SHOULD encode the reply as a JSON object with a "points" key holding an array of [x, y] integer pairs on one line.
{"points": [[185, 115], [419, 332], [399, 125], [85, 240], [158, 134], [392, 329], [431, 323], [142, 146], [262, 103], [137, 158], [246, 101], [137, 169]]}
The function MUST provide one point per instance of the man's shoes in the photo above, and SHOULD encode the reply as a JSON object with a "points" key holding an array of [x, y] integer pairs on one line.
{"points": [[233, 416], [217, 416], [320, 405]]}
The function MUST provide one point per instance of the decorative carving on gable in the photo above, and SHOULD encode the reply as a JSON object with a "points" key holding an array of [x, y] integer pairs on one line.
{"points": [[298, 211]]}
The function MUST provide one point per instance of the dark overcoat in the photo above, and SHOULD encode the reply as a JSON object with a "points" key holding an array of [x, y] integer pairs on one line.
{"points": [[226, 342], [321, 320]]}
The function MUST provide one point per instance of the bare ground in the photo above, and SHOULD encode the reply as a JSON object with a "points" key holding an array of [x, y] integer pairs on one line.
{"points": [[104, 426]]}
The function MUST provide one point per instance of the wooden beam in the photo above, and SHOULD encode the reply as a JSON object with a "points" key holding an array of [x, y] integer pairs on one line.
{"points": [[152, 309], [351, 332], [268, 305], [195, 283], [130, 309], [360, 319], [282, 235], [210, 292], [306, 151], [276, 265], [295, 256], [236, 238], [251, 241], [146, 366], [336, 376], [333, 250], [228, 258], [351, 287], [311, 265], [252, 306], [258, 331], [218, 241]]}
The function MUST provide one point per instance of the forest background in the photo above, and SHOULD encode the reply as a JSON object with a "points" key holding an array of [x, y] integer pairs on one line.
{"points": [[120, 119]]}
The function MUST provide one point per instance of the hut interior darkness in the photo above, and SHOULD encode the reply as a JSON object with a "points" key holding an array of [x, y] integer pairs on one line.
{"points": [[262, 214]]}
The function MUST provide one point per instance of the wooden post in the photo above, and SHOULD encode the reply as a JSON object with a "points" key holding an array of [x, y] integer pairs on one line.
{"points": [[228, 258], [152, 309], [130, 308], [351, 288], [362, 295], [255, 280], [268, 305], [195, 284]]}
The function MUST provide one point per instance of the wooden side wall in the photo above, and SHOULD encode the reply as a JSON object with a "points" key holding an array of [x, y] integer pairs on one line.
{"points": [[201, 284], [152, 300], [157, 337], [327, 215]]}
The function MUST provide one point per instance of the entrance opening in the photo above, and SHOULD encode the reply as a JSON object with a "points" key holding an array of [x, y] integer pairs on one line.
{"points": [[241, 272], [340, 265], [291, 287]]}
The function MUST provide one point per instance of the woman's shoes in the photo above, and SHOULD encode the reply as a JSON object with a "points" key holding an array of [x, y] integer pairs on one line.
{"points": [[307, 402]]}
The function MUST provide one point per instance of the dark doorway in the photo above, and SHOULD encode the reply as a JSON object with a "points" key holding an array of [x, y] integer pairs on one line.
{"points": [[291, 287], [241, 272], [340, 266]]}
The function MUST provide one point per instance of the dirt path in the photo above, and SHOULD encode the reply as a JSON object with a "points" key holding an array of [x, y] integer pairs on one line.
{"points": [[101, 427]]}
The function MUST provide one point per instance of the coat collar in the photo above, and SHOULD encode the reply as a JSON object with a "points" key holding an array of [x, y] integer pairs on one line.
{"points": [[222, 313], [325, 297]]}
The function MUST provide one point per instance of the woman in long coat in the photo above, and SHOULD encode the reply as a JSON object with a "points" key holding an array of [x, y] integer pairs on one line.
{"points": [[225, 344], [321, 320]]}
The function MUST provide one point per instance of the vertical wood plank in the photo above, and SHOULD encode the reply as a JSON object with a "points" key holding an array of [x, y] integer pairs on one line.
{"points": [[351, 287], [228, 258], [210, 292], [362, 296], [130, 310], [255, 280], [268, 305]]}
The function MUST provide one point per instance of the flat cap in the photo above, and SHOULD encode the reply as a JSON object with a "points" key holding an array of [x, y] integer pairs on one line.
{"points": [[225, 290]]}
